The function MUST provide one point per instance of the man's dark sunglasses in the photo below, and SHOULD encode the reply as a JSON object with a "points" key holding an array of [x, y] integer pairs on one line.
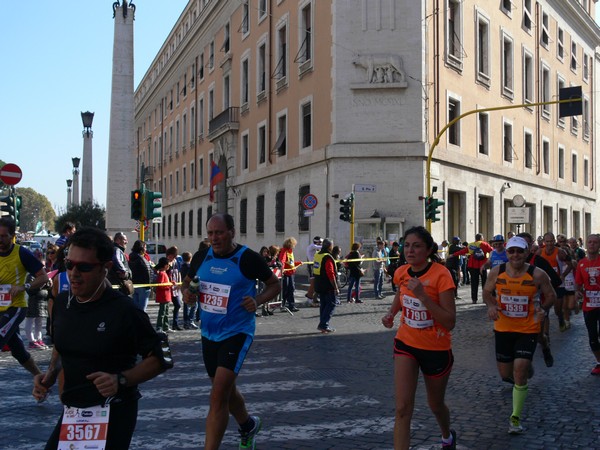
{"points": [[83, 267]]}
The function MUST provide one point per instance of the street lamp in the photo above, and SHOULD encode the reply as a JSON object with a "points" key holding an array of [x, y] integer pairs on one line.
{"points": [[69, 183], [76, 180], [87, 119]]}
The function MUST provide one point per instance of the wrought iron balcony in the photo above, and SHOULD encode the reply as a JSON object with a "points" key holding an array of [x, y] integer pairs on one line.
{"points": [[228, 120]]}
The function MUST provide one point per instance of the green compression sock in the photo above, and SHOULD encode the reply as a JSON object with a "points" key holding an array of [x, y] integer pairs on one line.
{"points": [[519, 395]]}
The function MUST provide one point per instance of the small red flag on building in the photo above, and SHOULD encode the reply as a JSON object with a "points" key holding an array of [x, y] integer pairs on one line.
{"points": [[216, 176]]}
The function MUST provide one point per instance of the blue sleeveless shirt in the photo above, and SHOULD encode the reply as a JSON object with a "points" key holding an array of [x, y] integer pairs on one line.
{"points": [[222, 289]]}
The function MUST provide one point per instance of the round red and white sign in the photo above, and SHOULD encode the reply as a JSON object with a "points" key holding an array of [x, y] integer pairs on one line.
{"points": [[10, 174]]}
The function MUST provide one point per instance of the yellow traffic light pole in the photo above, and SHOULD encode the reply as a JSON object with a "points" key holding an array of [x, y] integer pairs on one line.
{"points": [[436, 141]]}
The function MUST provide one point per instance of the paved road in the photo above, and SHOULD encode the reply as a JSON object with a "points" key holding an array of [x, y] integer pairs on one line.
{"points": [[317, 391]]}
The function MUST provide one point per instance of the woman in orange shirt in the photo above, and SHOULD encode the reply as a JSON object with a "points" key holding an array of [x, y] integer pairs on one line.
{"points": [[426, 299]]}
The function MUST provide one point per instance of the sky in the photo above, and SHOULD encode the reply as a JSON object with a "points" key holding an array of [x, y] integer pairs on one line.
{"points": [[58, 63]]}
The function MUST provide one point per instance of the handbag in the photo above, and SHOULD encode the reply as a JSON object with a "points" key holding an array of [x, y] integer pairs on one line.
{"points": [[126, 287]]}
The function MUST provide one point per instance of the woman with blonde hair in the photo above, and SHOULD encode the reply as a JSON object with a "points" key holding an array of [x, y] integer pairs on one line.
{"points": [[288, 287]]}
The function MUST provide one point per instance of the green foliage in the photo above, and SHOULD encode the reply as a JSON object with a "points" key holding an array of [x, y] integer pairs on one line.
{"points": [[87, 214], [2, 185], [35, 208]]}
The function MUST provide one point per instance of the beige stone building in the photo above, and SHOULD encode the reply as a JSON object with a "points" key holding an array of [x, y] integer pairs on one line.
{"points": [[321, 97]]}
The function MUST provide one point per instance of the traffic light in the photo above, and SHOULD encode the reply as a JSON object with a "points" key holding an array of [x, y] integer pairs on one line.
{"points": [[137, 204], [7, 206], [18, 202], [347, 204], [153, 206], [431, 211]]}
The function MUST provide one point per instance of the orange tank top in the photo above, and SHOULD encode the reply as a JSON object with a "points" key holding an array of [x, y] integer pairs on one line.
{"points": [[552, 258], [516, 297], [417, 327]]}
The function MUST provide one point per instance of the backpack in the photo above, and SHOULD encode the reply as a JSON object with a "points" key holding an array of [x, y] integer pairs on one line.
{"points": [[478, 254]]}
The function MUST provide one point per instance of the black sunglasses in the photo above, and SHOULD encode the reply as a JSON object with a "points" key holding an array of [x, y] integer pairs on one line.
{"points": [[83, 267]]}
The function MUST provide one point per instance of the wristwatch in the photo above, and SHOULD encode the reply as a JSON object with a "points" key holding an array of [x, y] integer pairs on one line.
{"points": [[122, 380]]}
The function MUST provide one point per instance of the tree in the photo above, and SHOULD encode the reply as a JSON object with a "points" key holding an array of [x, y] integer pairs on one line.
{"points": [[87, 214], [36, 208], [2, 185]]}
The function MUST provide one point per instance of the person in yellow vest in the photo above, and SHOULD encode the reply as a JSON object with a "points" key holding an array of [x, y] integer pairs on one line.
{"points": [[15, 263], [511, 294], [325, 271]]}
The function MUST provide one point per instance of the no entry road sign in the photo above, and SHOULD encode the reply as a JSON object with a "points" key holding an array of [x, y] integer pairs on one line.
{"points": [[10, 174]]}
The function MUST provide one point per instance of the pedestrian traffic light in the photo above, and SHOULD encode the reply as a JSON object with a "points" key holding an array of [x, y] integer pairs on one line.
{"points": [[7, 207], [347, 204], [18, 200], [431, 211], [153, 205], [137, 204]]}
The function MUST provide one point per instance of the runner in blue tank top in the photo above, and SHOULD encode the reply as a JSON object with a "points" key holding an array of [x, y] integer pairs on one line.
{"points": [[227, 274], [498, 255]]}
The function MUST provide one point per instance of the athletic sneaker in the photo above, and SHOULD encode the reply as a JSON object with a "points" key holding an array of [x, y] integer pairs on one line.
{"points": [[34, 346], [548, 358], [247, 438], [514, 425], [451, 446], [42, 344], [596, 370]]}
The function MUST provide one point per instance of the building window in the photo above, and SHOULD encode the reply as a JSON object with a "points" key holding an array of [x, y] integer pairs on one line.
{"points": [[175, 224], [226, 38], [586, 67], [171, 193], [586, 172], [545, 34], [281, 143], [211, 105], [169, 226], [303, 221], [528, 70], [305, 51], [199, 222], [507, 141], [453, 113], [260, 214], [484, 126], [545, 91], [262, 66], [226, 92], [507, 66], [192, 176], [585, 117], [243, 215], [528, 147], [306, 125], [574, 125], [245, 151], [245, 18], [262, 9], [183, 224], [506, 6], [184, 180], [280, 211], [546, 156], [561, 162], [527, 15], [201, 66], [560, 84], [574, 168], [211, 55], [201, 171], [201, 117], [262, 144], [192, 126], [282, 58], [245, 68], [191, 222], [574, 62], [184, 129], [560, 43], [454, 48], [483, 50]]}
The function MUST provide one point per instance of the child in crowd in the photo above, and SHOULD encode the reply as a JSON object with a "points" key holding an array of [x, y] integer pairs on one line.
{"points": [[163, 295]]}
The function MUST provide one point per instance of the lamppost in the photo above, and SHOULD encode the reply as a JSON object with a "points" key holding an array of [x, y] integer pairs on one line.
{"points": [[69, 183], [86, 170], [76, 180], [503, 189]]}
